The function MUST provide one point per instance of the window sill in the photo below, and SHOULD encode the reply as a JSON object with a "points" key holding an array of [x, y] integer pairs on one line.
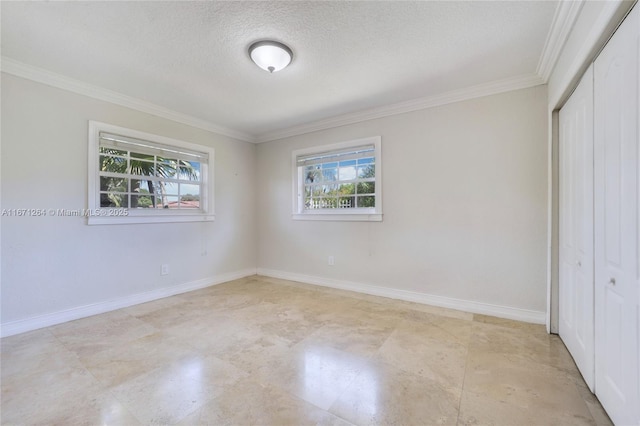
{"points": [[133, 219], [339, 217]]}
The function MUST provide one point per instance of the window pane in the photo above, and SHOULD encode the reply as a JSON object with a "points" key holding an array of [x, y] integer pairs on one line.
{"points": [[110, 199], [308, 203], [141, 168], [143, 201], [197, 167], [329, 165], [347, 189], [314, 190], [169, 202], [191, 197], [369, 160], [366, 188], [330, 189], [368, 171], [347, 173], [346, 202], [330, 174], [143, 186], [168, 188], [188, 170], [327, 203], [113, 164], [367, 201], [165, 168], [112, 184], [189, 189], [311, 203], [312, 174]]}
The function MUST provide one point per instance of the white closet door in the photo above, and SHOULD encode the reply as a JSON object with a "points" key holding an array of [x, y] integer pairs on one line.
{"points": [[616, 229], [576, 325]]}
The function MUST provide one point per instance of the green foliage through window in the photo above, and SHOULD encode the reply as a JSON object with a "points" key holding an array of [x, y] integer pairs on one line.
{"points": [[144, 179], [343, 184]]}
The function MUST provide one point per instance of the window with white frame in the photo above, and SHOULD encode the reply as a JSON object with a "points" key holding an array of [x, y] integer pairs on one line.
{"points": [[137, 177], [338, 182]]}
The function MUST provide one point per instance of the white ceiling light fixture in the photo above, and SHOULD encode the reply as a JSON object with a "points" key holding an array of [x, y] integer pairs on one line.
{"points": [[270, 55]]}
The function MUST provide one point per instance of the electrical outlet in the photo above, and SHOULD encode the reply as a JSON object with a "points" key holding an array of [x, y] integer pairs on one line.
{"points": [[164, 270], [331, 261]]}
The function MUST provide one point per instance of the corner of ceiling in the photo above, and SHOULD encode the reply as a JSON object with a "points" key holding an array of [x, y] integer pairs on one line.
{"points": [[11, 66], [563, 20]]}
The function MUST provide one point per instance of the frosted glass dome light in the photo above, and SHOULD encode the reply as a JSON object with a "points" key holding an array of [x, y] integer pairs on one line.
{"points": [[270, 55]]}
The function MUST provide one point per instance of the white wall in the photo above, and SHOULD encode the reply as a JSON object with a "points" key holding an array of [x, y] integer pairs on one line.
{"points": [[50, 264], [465, 205], [464, 190]]}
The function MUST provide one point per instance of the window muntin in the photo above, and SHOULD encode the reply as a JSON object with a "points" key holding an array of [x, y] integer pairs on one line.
{"points": [[155, 178], [339, 179]]}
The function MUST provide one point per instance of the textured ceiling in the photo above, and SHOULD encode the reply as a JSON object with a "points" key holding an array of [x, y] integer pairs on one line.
{"points": [[191, 57]]}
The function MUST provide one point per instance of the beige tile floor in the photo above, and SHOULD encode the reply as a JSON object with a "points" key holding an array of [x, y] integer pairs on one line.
{"points": [[266, 351]]}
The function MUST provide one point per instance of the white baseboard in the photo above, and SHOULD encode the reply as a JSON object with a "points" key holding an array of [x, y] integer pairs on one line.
{"points": [[526, 315], [21, 326], [53, 318]]}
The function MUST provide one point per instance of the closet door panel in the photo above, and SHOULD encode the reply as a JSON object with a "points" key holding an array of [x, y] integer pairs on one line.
{"points": [[576, 226], [616, 111]]}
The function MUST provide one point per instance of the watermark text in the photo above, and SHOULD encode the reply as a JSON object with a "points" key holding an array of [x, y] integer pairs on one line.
{"points": [[64, 212]]}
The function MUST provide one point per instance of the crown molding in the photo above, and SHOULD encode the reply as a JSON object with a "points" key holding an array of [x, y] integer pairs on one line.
{"points": [[563, 20], [40, 75], [486, 89], [11, 66]]}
